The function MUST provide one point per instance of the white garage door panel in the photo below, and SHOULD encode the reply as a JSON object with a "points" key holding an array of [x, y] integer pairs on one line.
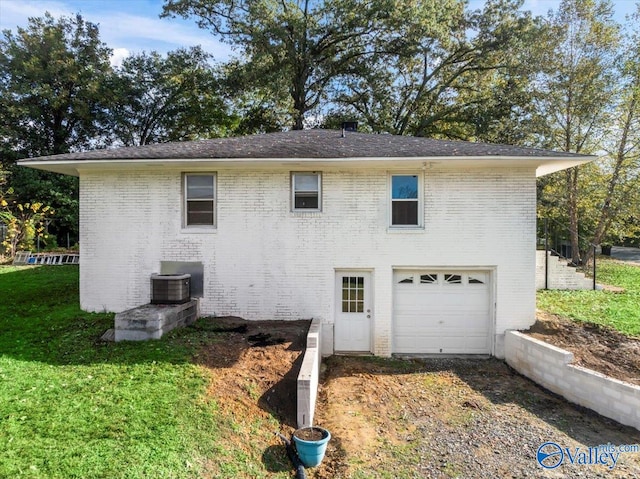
{"points": [[442, 317]]}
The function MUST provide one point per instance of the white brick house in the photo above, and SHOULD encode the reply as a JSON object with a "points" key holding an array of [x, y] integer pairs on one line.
{"points": [[398, 244]]}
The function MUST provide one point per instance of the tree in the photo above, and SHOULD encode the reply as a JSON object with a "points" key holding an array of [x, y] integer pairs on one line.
{"points": [[615, 185], [301, 47], [255, 106], [23, 223], [445, 79], [577, 85], [53, 99], [53, 189], [167, 99], [52, 85]]}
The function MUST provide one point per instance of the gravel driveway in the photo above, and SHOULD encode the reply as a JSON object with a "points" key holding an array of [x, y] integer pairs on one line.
{"points": [[467, 418]]}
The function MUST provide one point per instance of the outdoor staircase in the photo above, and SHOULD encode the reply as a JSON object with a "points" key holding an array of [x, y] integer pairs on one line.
{"points": [[561, 275]]}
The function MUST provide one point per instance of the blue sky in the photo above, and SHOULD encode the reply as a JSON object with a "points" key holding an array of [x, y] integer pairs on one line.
{"points": [[129, 26]]}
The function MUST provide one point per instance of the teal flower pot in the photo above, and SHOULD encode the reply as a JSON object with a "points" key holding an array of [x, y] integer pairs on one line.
{"points": [[311, 444]]}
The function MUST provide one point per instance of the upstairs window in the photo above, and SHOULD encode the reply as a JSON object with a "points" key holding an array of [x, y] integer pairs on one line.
{"points": [[405, 200], [306, 191], [199, 199]]}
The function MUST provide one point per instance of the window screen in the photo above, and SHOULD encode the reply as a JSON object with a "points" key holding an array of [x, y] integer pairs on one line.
{"points": [[404, 200], [306, 191], [199, 200]]}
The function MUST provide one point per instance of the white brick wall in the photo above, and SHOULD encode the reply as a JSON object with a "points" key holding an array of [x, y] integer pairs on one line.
{"points": [[265, 262], [551, 367]]}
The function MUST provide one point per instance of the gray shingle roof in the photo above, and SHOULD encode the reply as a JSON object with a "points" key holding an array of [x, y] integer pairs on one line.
{"points": [[309, 144]]}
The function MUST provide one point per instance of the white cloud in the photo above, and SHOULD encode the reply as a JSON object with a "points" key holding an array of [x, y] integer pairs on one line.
{"points": [[15, 13], [119, 29], [158, 34], [118, 55]]}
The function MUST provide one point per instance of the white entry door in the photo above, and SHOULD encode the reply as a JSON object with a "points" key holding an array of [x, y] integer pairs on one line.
{"points": [[352, 330]]}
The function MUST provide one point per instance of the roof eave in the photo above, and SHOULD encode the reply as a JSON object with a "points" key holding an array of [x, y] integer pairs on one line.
{"points": [[561, 164], [543, 165]]}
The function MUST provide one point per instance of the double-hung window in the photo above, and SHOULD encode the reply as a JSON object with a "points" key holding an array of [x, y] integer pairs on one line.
{"points": [[306, 191], [406, 204], [199, 193]]}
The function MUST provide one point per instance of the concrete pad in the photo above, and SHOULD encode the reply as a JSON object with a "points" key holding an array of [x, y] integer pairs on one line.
{"points": [[152, 321]]}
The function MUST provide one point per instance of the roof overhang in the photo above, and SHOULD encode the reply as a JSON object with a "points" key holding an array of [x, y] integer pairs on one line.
{"points": [[542, 165]]}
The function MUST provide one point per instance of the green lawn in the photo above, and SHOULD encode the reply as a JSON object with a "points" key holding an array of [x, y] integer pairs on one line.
{"points": [[620, 311], [72, 406]]}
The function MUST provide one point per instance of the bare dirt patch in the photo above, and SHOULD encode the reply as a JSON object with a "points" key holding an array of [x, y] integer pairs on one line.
{"points": [[435, 418], [256, 361], [593, 346], [253, 369]]}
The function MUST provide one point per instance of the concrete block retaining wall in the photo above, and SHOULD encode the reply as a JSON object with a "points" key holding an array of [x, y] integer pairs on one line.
{"points": [[551, 367], [309, 376]]}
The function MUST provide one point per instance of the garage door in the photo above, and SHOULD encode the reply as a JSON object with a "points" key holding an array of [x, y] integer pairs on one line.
{"points": [[442, 312]]}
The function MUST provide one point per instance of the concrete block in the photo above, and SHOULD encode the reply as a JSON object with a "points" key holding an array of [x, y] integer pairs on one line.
{"points": [[611, 392], [152, 321], [621, 407], [313, 336], [309, 376], [326, 339]]}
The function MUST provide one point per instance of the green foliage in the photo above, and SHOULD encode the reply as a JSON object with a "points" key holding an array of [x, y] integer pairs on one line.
{"points": [[617, 310], [52, 88], [53, 98], [255, 107], [456, 73], [172, 98], [582, 87], [301, 48], [578, 74], [59, 191], [72, 406], [24, 222]]}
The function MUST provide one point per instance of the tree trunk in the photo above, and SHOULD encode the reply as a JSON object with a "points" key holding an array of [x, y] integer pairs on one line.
{"points": [[298, 121], [299, 96]]}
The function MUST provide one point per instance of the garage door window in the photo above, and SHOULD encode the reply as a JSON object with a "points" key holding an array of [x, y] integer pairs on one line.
{"points": [[453, 279], [405, 279], [405, 200], [428, 278]]}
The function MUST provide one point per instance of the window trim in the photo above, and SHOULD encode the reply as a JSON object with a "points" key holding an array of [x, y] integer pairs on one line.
{"points": [[293, 192], [185, 200], [420, 199]]}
